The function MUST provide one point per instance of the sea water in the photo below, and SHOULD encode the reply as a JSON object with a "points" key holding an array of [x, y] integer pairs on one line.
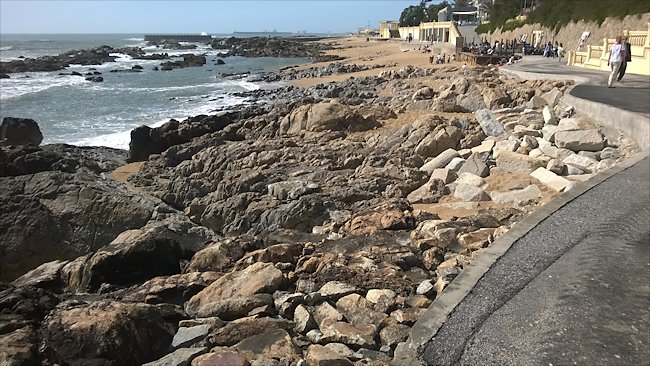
{"points": [[71, 110]]}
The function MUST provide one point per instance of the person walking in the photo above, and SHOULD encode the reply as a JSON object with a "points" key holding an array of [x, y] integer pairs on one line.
{"points": [[627, 47], [560, 52], [616, 56]]}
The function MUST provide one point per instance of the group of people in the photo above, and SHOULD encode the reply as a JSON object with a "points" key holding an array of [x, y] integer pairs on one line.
{"points": [[440, 58], [619, 55], [554, 51]]}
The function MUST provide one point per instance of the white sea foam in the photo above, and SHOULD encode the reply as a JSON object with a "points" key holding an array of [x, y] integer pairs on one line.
{"points": [[6, 48], [34, 82], [134, 39]]}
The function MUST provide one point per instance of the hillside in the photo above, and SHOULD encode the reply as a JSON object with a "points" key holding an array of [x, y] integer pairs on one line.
{"points": [[570, 34]]}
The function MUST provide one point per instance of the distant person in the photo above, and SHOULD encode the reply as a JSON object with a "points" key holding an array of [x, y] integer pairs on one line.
{"points": [[616, 57], [560, 52], [627, 47]]}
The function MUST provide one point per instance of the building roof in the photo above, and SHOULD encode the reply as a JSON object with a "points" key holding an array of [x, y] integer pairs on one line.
{"points": [[463, 9]]}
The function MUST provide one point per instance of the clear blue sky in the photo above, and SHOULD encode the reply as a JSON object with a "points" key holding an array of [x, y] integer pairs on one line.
{"points": [[153, 16]]}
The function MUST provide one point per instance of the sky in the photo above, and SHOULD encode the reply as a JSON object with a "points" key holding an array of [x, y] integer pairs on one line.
{"points": [[210, 16]]}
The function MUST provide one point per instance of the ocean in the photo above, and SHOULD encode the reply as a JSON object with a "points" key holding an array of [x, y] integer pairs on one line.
{"points": [[71, 110]]}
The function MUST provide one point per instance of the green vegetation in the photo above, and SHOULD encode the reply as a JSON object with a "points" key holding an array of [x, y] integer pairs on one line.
{"points": [[416, 14], [557, 13]]}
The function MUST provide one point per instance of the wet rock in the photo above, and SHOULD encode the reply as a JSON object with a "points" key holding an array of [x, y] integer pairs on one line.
{"points": [[20, 131]]}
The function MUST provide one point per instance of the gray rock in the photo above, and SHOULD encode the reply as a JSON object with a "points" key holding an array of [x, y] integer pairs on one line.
{"points": [[609, 153], [180, 357], [439, 161], [536, 102], [188, 336], [584, 140], [304, 320], [476, 164], [393, 334], [584, 163], [430, 192], [489, 123], [550, 179], [549, 116], [553, 97], [334, 290], [455, 164], [468, 193], [517, 197], [425, 288], [517, 163]]}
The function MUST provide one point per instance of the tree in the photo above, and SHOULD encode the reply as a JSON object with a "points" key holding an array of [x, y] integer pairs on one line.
{"points": [[433, 9], [412, 16]]}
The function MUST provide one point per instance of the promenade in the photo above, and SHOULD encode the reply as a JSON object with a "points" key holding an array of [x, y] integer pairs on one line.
{"points": [[570, 284]]}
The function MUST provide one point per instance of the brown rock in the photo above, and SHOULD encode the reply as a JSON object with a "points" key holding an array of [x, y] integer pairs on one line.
{"points": [[318, 355], [175, 289], [257, 278], [108, 331], [362, 335], [221, 357], [408, 315], [393, 334], [285, 253], [240, 329], [358, 310], [271, 344]]}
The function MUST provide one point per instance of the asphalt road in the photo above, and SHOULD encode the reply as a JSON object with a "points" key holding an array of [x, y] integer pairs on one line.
{"points": [[632, 94], [575, 290]]}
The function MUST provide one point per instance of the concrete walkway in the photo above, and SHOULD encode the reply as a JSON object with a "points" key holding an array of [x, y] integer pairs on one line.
{"points": [[568, 285]]}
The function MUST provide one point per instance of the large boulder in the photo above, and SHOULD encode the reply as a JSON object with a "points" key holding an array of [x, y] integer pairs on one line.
{"points": [[135, 256], [324, 116], [107, 333], [53, 215], [20, 131]]}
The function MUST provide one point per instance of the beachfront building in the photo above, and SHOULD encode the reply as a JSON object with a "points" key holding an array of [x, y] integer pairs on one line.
{"points": [[433, 32], [461, 15]]}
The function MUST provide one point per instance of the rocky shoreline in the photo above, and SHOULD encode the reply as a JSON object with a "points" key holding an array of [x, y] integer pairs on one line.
{"points": [[312, 227]]}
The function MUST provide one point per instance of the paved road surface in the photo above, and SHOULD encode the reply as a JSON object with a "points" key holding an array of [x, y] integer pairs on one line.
{"points": [[574, 290], [632, 94]]}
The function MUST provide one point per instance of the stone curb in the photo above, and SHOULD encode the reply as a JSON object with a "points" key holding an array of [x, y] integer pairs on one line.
{"points": [[633, 124], [435, 316]]}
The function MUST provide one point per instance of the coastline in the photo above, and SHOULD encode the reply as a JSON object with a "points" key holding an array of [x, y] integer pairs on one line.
{"points": [[332, 215]]}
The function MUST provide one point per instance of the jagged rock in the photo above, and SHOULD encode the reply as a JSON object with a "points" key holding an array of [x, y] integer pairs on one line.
{"points": [[220, 255], [517, 163], [439, 140], [424, 288], [186, 336], [489, 123], [362, 335], [430, 192], [45, 276], [446, 175], [549, 116], [517, 197], [550, 179], [317, 355], [240, 329], [475, 164], [333, 290], [357, 310], [175, 289], [583, 163], [135, 256], [257, 278], [324, 116], [408, 315], [476, 239], [20, 131], [107, 332], [374, 295], [220, 356], [418, 301], [180, 357], [495, 97], [537, 102], [469, 193], [439, 161], [552, 97], [583, 140], [326, 313], [393, 334], [609, 153], [424, 93], [304, 320], [271, 344]]}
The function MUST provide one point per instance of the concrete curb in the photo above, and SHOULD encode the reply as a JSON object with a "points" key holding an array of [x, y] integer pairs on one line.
{"points": [[635, 125], [435, 316], [632, 124]]}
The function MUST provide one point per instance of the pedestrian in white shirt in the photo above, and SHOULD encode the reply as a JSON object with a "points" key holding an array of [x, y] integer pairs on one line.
{"points": [[616, 55]]}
